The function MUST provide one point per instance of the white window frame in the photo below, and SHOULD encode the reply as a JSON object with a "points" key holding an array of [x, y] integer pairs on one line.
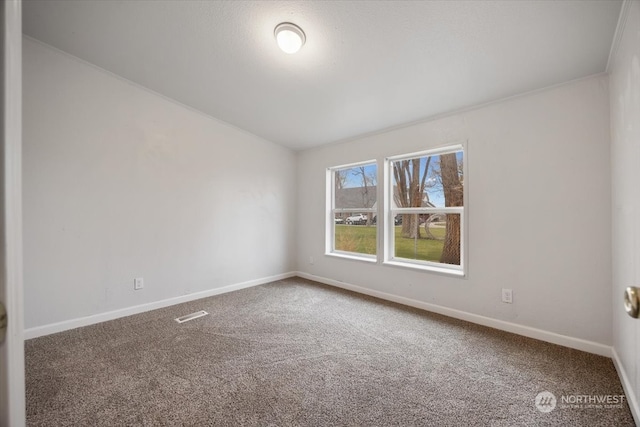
{"points": [[331, 211], [390, 212]]}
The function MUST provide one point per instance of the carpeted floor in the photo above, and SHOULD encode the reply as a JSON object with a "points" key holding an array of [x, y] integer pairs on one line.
{"points": [[296, 352]]}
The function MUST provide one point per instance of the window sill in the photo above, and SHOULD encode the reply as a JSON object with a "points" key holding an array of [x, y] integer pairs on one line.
{"points": [[429, 268], [370, 259]]}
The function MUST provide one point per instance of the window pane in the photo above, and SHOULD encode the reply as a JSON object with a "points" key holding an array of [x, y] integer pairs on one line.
{"points": [[356, 187], [428, 237], [429, 181], [355, 232]]}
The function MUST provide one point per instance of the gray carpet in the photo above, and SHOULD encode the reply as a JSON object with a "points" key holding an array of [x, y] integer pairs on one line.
{"points": [[296, 352]]}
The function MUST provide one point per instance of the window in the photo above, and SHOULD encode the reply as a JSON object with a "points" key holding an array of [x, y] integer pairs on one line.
{"points": [[352, 198], [425, 210]]}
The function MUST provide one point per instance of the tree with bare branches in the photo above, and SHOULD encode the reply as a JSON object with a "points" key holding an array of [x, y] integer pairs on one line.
{"points": [[368, 187], [410, 192], [340, 179], [450, 172]]}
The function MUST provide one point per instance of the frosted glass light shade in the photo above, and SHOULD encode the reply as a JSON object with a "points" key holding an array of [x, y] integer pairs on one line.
{"points": [[290, 37]]}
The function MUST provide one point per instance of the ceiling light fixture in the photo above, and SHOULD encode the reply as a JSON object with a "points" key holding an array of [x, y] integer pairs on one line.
{"points": [[290, 37]]}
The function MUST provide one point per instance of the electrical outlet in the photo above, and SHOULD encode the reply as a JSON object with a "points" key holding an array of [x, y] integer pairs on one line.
{"points": [[507, 295], [311, 260], [138, 283]]}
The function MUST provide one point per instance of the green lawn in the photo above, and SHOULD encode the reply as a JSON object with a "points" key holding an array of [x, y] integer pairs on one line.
{"points": [[362, 239]]}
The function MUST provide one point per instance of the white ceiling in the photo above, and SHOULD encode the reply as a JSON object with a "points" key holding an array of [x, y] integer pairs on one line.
{"points": [[366, 66]]}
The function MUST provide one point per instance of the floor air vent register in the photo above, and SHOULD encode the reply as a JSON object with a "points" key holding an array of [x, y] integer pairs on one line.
{"points": [[191, 316]]}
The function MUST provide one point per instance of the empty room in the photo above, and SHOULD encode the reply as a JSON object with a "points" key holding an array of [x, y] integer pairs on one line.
{"points": [[320, 213]]}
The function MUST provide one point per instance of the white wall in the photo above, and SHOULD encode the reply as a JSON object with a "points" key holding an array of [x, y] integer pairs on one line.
{"points": [[120, 182], [539, 211], [625, 162]]}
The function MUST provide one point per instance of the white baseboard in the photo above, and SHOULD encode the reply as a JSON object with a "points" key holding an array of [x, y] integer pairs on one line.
{"points": [[552, 337], [111, 315], [576, 343], [626, 385]]}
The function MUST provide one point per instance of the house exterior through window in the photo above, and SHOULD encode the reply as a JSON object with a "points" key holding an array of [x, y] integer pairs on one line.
{"points": [[417, 218], [353, 212]]}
